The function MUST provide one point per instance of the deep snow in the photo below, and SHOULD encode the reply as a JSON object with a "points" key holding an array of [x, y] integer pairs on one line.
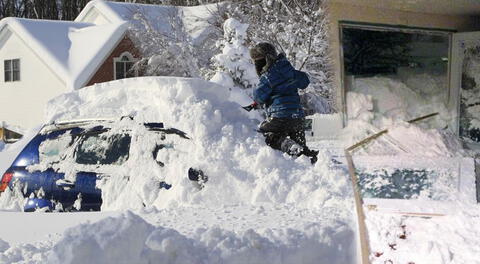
{"points": [[258, 204]]}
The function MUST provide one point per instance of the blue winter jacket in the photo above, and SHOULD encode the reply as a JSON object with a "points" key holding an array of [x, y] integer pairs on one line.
{"points": [[278, 89]]}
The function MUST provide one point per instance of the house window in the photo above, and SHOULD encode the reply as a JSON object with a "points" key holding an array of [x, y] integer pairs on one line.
{"points": [[12, 70], [123, 66]]}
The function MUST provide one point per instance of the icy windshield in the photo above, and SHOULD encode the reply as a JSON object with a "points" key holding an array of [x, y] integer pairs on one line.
{"points": [[103, 148], [53, 150], [406, 183]]}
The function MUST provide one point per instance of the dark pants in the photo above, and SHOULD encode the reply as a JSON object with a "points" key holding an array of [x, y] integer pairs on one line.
{"points": [[277, 130]]}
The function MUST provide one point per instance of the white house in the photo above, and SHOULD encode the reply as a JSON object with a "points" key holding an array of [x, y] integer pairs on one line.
{"points": [[42, 59]]}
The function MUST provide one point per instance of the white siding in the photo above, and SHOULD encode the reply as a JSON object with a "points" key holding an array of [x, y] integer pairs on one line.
{"points": [[23, 102]]}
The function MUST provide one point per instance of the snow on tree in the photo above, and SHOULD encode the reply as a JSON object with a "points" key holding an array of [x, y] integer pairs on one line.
{"points": [[175, 40], [164, 44], [233, 66]]}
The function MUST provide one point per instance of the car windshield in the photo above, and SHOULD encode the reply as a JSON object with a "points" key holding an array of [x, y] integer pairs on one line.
{"points": [[104, 148]]}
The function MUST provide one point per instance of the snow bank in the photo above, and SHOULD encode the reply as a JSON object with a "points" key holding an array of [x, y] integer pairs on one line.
{"points": [[241, 168], [113, 240], [128, 238]]}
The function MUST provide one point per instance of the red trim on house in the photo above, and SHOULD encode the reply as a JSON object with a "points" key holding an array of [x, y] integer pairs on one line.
{"points": [[106, 72]]}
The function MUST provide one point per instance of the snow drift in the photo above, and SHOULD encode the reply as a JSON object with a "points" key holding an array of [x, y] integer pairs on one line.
{"points": [[306, 208], [128, 238], [224, 144]]}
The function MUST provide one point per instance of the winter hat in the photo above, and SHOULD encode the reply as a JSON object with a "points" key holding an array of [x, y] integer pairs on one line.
{"points": [[263, 51]]}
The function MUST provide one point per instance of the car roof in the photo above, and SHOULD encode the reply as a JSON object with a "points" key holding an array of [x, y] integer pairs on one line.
{"points": [[97, 123], [68, 124]]}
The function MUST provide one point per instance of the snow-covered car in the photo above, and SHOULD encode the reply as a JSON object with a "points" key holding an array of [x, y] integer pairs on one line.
{"points": [[62, 167]]}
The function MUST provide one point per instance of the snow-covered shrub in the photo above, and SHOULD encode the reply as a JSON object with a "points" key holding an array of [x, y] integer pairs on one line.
{"points": [[234, 61]]}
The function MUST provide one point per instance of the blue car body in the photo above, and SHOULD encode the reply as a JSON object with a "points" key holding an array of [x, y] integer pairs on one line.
{"points": [[33, 181], [48, 188]]}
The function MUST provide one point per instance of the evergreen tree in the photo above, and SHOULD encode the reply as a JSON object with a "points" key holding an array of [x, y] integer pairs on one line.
{"points": [[234, 61]]}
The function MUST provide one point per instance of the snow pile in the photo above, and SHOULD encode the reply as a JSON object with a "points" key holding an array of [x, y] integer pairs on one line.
{"points": [[418, 95], [382, 102], [240, 167], [128, 238], [257, 204]]}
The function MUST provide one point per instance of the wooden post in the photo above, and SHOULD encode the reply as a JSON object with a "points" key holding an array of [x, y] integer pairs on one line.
{"points": [[362, 227]]}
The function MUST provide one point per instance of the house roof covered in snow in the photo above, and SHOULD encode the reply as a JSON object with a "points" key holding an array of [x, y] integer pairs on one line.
{"points": [[195, 20], [72, 50]]}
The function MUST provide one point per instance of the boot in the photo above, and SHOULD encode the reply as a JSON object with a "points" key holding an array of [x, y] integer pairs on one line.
{"points": [[312, 154], [291, 147]]}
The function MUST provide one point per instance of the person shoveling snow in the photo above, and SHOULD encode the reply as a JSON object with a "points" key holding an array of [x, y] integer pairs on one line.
{"points": [[278, 90]]}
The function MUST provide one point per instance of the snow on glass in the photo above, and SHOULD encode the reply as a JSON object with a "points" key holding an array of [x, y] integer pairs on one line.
{"points": [[104, 149], [407, 184]]}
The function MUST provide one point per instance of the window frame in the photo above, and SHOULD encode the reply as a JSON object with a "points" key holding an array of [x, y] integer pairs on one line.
{"points": [[11, 70], [118, 59], [346, 81]]}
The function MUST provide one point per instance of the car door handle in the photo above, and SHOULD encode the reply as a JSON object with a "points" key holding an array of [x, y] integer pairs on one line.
{"points": [[65, 184]]}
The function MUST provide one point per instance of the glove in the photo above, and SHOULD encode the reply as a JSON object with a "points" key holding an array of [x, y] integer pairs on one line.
{"points": [[252, 106]]}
